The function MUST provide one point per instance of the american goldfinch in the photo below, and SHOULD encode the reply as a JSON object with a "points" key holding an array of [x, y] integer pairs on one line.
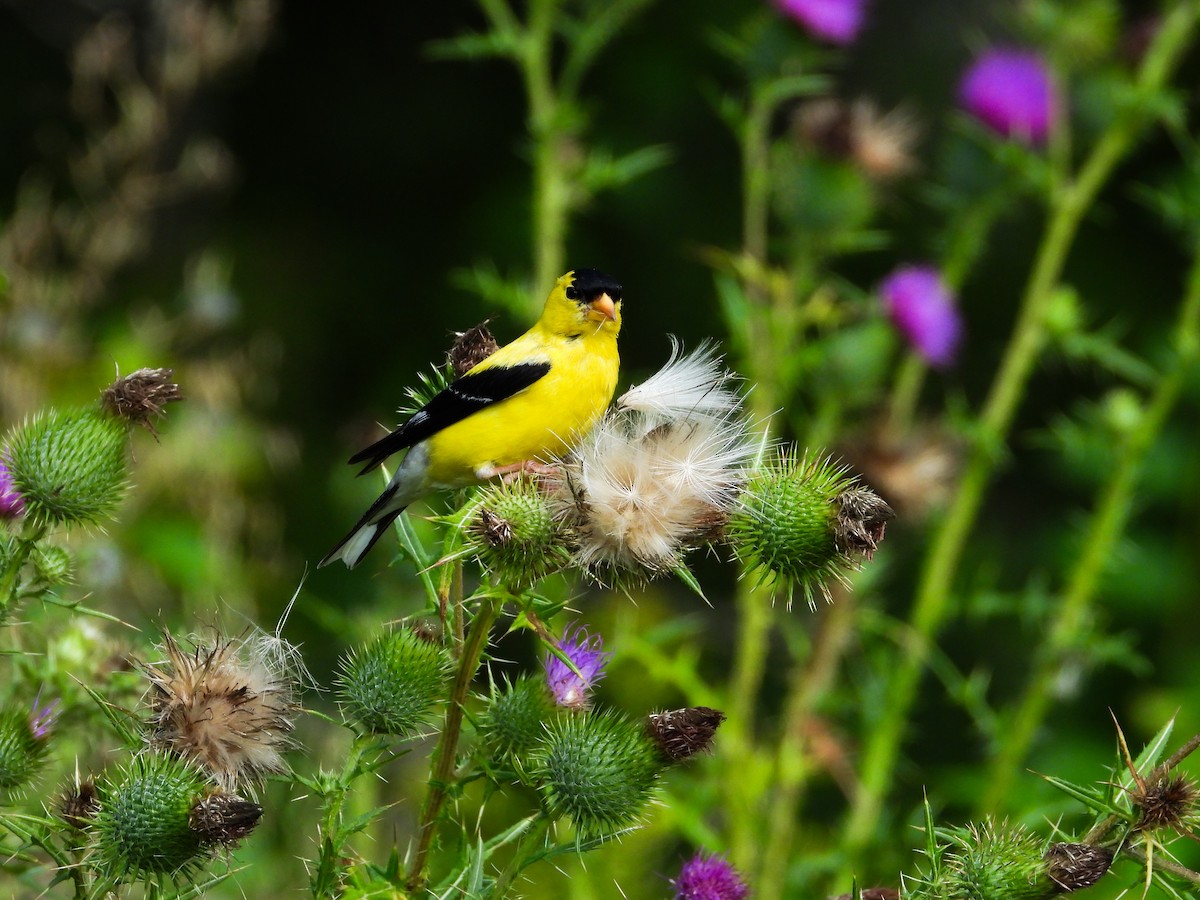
{"points": [[530, 399]]}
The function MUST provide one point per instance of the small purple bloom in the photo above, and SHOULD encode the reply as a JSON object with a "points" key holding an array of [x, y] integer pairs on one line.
{"points": [[922, 307], [709, 878], [42, 718], [835, 21], [1011, 91], [11, 504], [587, 653]]}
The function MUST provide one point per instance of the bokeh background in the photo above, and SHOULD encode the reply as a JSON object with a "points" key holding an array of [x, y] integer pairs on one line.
{"points": [[287, 237]]}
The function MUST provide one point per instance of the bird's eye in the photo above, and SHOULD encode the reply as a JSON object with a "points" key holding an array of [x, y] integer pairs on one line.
{"points": [[572, 292]]}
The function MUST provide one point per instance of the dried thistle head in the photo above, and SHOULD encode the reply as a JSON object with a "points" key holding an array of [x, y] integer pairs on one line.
{"points": [[1073, 867], [682, 733], [78, 804], [141, 397], [880, 144], [223, 818], [228, 705], [1166, 800], [471, 347]]}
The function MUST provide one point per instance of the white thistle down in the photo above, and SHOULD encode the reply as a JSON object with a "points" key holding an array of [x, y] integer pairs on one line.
{"points": [[687, 387], [662, 470]]}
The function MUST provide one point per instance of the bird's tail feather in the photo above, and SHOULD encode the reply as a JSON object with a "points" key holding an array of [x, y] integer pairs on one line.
{"points": [[364, 535]]}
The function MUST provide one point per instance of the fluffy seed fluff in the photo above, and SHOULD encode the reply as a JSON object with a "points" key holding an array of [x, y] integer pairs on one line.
{"points": [[660, 473], [228, 705]]}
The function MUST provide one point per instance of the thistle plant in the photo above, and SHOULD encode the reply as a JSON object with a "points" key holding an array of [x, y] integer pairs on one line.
{"points": [[961, 307]]}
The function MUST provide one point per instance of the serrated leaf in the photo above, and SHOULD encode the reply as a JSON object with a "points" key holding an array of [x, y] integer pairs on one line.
{"points": [[1091, 797]]}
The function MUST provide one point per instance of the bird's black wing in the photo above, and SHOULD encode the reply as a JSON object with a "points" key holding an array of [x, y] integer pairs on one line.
{"points": [[467, 395]]}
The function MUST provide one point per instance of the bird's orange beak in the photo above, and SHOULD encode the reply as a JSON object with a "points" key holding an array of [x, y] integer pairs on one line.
{"points": [[603, 308]]}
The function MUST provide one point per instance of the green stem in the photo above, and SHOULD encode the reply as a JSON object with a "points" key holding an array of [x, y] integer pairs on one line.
{"points": [[329, 864], [442, 764], [933, 601], [10, 577], [792, 759], [1107, 524]]}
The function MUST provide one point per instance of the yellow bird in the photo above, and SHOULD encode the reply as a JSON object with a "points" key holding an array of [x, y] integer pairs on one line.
{"points": [[527, 401]]}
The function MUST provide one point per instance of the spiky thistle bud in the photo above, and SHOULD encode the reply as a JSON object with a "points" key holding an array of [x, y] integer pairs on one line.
{"points": [[471, 347], [1074, 867], [998, 860], [682, 733], [141, 397], [513, 534], [572, 687], [228, 705], [144, 824], [659, 474], [24, 736], [69, 466], [391, 685], [53, 564], [709, 877], [805, 522], [515, 718], [598, 770]]}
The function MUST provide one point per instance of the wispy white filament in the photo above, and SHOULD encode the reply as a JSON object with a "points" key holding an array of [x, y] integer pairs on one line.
{"points": [[662, 470]]}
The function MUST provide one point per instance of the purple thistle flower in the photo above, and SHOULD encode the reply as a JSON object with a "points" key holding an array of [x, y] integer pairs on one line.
{"points": [[1011, 91], [835, 21], [11, 504], [709, 878], [42, 718], [587, 653], [922, 307]]}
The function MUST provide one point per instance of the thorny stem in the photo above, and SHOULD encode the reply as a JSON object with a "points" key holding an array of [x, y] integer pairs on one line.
{"points": [[9, 579], [1107, 523], [442, 764], [933, 600], [329, 865]]}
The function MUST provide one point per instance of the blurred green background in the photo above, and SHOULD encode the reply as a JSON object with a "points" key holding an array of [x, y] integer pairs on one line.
{"points": [[306, 275]]}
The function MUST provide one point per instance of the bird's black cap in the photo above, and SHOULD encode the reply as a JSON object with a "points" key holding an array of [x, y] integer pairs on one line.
{"points": [[589, 284]]}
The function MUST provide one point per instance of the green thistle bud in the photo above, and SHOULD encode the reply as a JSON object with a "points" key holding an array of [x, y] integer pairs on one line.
{"points": [[69, 466], [998, 860], [803, 523], [514, 721], [513, 533], [23, 743], [144, 822], [54, 565], [391, 685], [598, 770]]}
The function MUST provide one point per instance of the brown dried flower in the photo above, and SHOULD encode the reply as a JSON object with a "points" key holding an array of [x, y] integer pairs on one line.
{"points": [[223, 818], [1076, 866], [680, 733], [471, 347], [141, 396], [227, 705]]}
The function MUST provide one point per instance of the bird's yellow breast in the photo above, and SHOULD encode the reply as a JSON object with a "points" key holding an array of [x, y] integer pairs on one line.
{"points": [[539, 422]]}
